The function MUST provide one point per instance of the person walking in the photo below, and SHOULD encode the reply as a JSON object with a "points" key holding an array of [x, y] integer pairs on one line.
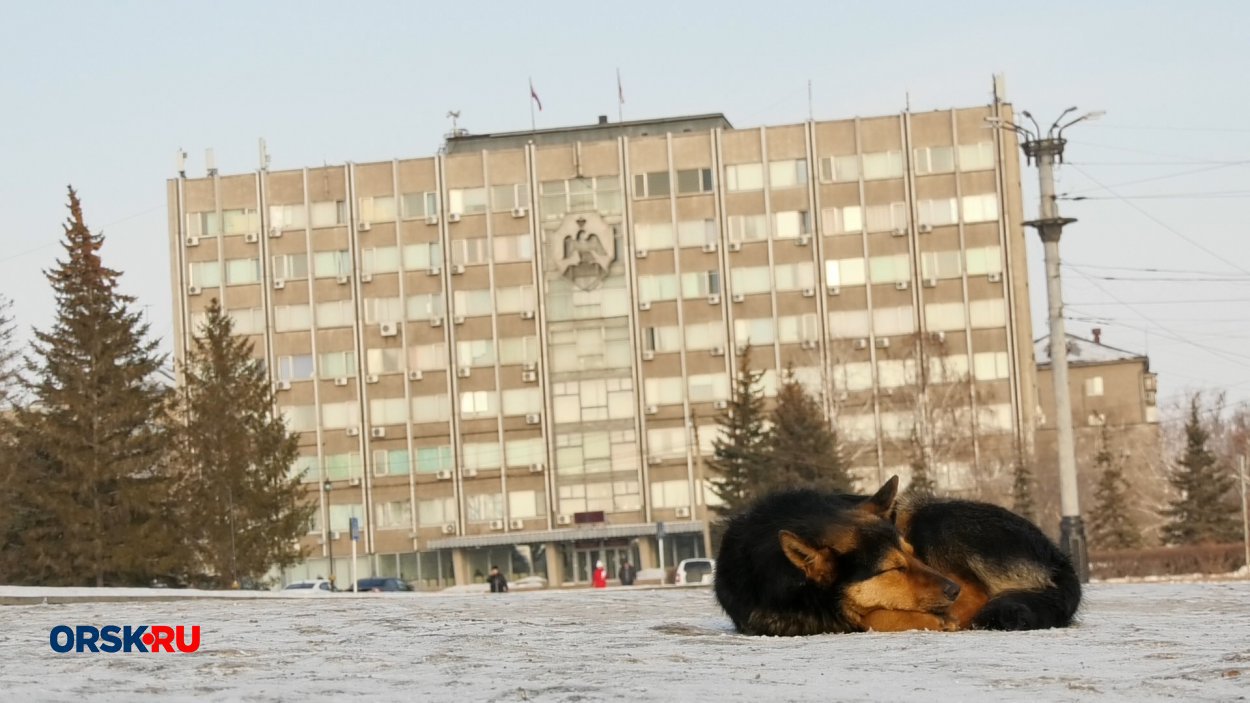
{"points": [[600, 577], [498, 582], [627, 574]]}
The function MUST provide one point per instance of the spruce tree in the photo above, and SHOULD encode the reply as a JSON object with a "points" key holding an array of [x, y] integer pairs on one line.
{"points": [[87, 488], [802, 449], [1202, 510], [738, 450], [8, 358], [1111, 526], [246, 510], [922, 483]]}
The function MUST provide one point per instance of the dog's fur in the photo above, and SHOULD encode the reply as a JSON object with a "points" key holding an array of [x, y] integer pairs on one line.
{"points": [[804, 562], [1012, 576]]}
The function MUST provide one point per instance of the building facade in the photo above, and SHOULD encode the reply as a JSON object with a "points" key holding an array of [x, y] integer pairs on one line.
{"points": [[502, 353]]}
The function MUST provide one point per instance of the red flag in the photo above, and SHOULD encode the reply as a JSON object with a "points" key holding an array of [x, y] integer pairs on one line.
{"points": [[620, 92], [534, 95]]}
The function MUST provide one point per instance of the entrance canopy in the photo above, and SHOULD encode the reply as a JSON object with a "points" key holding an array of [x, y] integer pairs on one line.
{"points": [[591, 532]]}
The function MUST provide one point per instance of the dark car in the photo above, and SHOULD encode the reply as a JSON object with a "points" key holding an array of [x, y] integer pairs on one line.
{"points": [[380, 585]]}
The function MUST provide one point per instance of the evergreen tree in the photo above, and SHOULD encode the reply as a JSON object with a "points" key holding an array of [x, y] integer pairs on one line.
{"points": [[921, 482], [1022, 489], [1111, 526], [802, 449], [8, 357], [738, 450], [1202, 510], [245, 508], [86, 486]]}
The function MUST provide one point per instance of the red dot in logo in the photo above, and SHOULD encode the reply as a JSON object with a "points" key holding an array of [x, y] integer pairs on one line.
{"points": [[148, 638]]}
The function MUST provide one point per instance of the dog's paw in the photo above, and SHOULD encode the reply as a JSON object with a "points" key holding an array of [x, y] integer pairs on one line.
{"points": [[1006, 615]]}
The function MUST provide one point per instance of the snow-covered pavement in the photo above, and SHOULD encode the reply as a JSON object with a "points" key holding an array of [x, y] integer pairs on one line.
{"points": [[1137, 642]]}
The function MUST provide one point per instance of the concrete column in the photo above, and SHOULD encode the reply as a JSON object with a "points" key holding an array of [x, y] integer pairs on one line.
{"points": [[460, 565], [555, 565]]}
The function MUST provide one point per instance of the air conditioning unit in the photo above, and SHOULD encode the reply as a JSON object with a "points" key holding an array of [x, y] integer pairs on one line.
{"points": [[469, 473], [343, 280], [713, 299], [366, 278], [901, 285], [453, 217], [644, 305], [735, 246], [938, 337], [519, 212], [377, 432], [457, 270], [458, 319], [193, 241], [353, 431], [443, 475], [251, 237], [899, 232], [449, 528], [717, 351], [435, 271], [930, 283], [284, 385], [371, 378], [655, 460], [842, 395], [354, 481], [709, 247], [808, 344], [431, 219], [995, 277], [364, 227], [925, 229], [496, 524], [883, 343], [740, 349], [683, 511], [527, 314], [738, 297], [388, 329], [275, 232], [861, 344], [834, 290], [464, 372], [640, 253], [803, 240], [415, 375], [564, 519], [517, 524], [529, 376], [536, 468], [194, 290], [533, 419], [436, 322], [648, 355], [653, 409], [340, 381], [529, 366], [809, 292], [721, 404], [279, 284]]}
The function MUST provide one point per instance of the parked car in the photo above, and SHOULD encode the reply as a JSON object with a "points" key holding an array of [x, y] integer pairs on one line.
{"points": [[694, 571], [382, 585], [309, 587]]}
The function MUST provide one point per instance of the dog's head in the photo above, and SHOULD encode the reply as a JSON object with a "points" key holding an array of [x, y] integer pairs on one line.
{"points": [[862, 557]]}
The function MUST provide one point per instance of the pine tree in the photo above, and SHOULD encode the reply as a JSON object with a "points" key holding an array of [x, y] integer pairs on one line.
{"points": [[1202, 510], [1111, 526], [89, 501], [1022, 489], [738, 450], [921, 483], [802, 449], [246, 509], [8, 357]]}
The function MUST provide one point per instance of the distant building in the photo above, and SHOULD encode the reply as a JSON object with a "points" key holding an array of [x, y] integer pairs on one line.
{"points": [[496, 354]]}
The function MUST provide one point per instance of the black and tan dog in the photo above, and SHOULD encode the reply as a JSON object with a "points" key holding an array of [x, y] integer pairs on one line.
{"points": [[803, 562]]}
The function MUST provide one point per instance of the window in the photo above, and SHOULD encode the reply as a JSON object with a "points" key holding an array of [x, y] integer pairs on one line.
{"points": [[755, 331], [437, 511], [948, 369], [944, 316], [340, 467], [391, 462], [288, 216], [789, 173], [748, 228], [705, 335], [934, 159], [708, 387], [396, 515], [797, 328], [336, 313], [747, 280], [425, 306], [522, 401], [482, 455], [651, 185], [670, 494], [341, 364], [893, 321], [472, 303], [1093, 386], [468, 252], [340, 415], [518, 350], [524, 452], [663, 391], [657, 287], [242, 221], [294, 368], [466, 201], [300, 418], [327, 213], [431, 408], [694, 180], [523, 504], [291, 317], [242, 271], [505, 198], [602, 193], [937, 212], [992, 366], [890, 268], [995, 417], [475, 352], [700, 284], [203, 224], [421, 257], [418, 205], [883, 164], [798, 276], [248, 320], [428, 357], [305, 467], [839, 168], [514, 299], [483, 507], [379, 208], [789, 224], [479, 404], [893, 373], [379, 361], [384, 310], [886, 218], [848, 324], [845, 272], [653, 236], [980, 208], [843, 220], [205, 274], [433, 459], [661, 339], [991, 312], [940, 264], [858, 428], [983, 260], [976, 157], [329, 264], [744, 177], [696, 233], [510, 248], [380, 260], [289, 266]]}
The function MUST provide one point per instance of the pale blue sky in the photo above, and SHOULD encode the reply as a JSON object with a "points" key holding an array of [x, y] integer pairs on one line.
{"points": [[101, 95]]}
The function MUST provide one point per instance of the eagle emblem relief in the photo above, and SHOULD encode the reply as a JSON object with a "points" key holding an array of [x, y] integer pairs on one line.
{"points": [[585, 249]]}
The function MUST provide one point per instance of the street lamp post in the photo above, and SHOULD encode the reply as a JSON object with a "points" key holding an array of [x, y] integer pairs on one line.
{"points": [[327, 487]]}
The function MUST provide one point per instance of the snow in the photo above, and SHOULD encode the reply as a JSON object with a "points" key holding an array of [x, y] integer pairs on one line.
{"points": [[1138, 642]]}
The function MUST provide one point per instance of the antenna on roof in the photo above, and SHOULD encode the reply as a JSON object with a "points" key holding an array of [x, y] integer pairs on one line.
{"points": [[181, 160], [210, 162], [264, 155]]}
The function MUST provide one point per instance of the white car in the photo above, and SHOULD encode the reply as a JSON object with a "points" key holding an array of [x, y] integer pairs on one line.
{"points": [[309, 587], [695, 571]]}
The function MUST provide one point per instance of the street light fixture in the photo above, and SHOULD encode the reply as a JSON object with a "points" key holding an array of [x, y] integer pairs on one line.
{"points": [[327, 487]]}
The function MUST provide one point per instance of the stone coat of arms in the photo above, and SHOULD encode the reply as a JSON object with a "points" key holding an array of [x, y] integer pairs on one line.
{"points": [[585, 247]]}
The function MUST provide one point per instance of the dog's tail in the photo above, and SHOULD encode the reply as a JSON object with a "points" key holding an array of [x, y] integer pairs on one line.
{"points": [[1054, 605]]}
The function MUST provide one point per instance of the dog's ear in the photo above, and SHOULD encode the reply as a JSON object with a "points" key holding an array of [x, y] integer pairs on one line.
{"points": [[881, 503], [815, 563]]}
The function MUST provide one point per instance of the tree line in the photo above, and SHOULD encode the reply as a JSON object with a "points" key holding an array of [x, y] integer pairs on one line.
{"points": [[110, 475]]}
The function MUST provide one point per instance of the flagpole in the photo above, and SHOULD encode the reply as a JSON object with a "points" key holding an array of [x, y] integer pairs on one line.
{"points": [[620, 98], [530, 98]]}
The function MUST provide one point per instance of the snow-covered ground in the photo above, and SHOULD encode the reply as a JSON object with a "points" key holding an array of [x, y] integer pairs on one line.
{"points": [[1135, 642]]}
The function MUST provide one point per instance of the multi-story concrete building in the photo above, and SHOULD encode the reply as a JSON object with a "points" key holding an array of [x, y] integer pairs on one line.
{"points": [[502, 353]]}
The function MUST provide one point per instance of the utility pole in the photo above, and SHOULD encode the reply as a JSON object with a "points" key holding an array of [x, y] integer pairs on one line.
{"points": [[1046, 151], [1245, 514]]}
